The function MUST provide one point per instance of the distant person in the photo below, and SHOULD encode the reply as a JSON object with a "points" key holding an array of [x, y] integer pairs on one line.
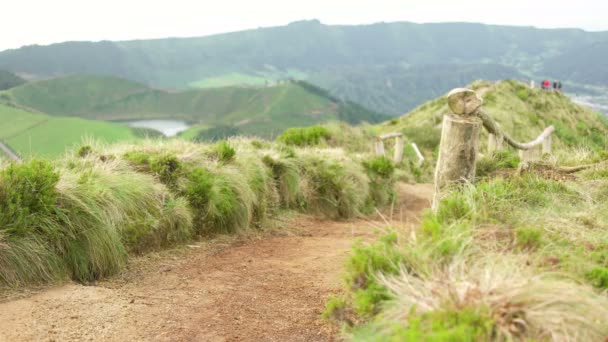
{"points": [[554, 85], [559, 86], [546, 84]]}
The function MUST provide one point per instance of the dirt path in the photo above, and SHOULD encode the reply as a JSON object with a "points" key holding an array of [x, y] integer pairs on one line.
{"points": [[270, 288]]}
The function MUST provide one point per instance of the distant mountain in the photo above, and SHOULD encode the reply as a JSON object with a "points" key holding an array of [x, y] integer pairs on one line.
{"points": [[254, 110], [9, 80], [387, 66]]}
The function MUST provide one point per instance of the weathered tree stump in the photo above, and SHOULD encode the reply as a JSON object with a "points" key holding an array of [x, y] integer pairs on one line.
{"points": [[459, 142]]}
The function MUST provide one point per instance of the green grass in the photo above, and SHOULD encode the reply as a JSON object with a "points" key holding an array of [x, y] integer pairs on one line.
{"points": [[33, 134], [231, 79], [520, 257]]}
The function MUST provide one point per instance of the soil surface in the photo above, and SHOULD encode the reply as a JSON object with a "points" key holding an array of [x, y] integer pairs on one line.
{"points": [[268, 287]]}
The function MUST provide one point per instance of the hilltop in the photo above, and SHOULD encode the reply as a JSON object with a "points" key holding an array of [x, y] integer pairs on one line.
{"points": [[348, 60], [263, 111], [521, 111]]}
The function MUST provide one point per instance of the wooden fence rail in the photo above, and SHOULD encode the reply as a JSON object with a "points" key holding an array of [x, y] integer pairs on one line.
{"points": [[399, 146]]}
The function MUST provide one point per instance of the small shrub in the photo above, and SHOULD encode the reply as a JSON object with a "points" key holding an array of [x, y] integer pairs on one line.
{"points": [[84, 151], [503, 159], [463, 324], [598, 277], [454, 207], [223, 201], [28, 196], [381, 173], [224, 152], [365, 261], [336, 188], [528, 238], [309, 136], [287, 177], [522, 94], [257, 144], [167, 167], [334, 309]]}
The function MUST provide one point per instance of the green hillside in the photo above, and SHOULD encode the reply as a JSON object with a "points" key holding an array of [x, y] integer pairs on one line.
{"points": [[34, 134], [338, 57], [252, 110], [521, 111], [9, 80]]}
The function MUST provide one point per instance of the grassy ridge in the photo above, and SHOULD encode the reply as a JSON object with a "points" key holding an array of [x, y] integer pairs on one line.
{"points": [[251, 110], [33, 134], [81, 216], [521, 111]]}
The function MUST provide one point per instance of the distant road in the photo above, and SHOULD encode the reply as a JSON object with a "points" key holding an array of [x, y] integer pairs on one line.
{"points": [[9, 152]]}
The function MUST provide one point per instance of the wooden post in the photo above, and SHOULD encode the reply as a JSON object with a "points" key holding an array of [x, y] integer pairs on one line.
{"points": [[491, 143], [459, 142], [547, 145], [379, 147], [398, 156], [523, 155], [417, 150], [494, 143]]}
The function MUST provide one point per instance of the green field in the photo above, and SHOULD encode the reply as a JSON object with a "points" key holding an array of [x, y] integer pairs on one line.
{"points": [[230, 79], [33, 134], [264, 111]]}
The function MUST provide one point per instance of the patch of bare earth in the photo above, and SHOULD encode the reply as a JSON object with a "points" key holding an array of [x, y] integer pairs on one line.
{"points": [[265, 288]]}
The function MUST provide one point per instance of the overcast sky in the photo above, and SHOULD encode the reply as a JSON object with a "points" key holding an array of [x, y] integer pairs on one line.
{"points": [[26, 22]]}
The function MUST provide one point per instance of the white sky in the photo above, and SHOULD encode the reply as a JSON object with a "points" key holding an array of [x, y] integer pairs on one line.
{"points": [[27, 22]]}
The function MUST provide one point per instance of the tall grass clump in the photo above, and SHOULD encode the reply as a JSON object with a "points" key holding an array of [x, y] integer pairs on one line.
{"points": [[29, 234], [307, 136], [286, 174], [222, 199], [381, 173], [112, 210], [260, 179], [82, 219], [491, 298], [335, 187]]}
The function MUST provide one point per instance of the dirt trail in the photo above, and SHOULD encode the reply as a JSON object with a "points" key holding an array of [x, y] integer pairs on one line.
{"points": [[270, 288]]}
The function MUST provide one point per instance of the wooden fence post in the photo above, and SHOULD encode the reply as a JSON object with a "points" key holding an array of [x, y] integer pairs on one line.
{"points": [[547, 145], [494, 143], [459, 142], [420, 156], [398, 156], [379, 147]]}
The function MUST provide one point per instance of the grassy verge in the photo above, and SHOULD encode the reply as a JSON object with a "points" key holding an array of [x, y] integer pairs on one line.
{"points": [[517, 257], [80, 217]]}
